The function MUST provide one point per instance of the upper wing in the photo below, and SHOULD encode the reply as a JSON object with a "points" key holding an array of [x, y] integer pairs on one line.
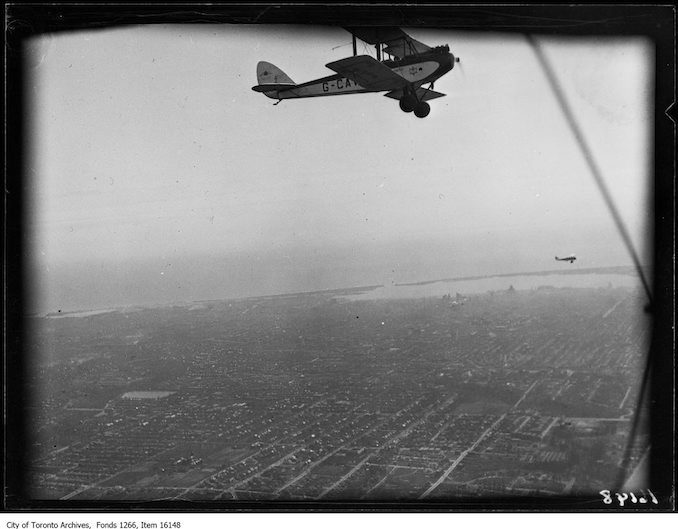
{"points": [[368, 73], [398, 43]]}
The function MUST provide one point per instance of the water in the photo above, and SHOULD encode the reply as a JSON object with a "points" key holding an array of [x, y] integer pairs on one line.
{"points": [[496, 283], [134, 395]]}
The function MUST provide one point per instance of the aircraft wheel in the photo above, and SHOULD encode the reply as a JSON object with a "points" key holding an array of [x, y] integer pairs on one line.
{"points": [[422, 109], [408, 104]]}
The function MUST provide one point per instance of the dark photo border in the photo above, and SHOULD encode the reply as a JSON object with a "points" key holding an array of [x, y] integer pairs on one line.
{"points": [[655, 22]]}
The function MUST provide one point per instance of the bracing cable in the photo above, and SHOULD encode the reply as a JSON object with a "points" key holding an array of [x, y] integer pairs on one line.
{"points": [[588, 156], [597, 175]]}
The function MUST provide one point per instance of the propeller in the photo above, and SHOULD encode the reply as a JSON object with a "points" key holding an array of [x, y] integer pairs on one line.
{"points": [[460, 66]]}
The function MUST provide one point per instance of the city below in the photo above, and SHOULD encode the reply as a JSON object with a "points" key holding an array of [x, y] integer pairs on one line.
{"points": [[328, 396]]}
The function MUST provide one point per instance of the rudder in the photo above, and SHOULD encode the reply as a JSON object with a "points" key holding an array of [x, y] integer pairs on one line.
{"points": [[270, 74]]}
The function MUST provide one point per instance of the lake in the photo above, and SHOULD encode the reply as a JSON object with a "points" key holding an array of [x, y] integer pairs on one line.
{"points": [[496, 283]]}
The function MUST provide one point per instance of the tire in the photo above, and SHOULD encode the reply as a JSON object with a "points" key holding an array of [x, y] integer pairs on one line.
{"points": [[422, 109], [408, 104]]}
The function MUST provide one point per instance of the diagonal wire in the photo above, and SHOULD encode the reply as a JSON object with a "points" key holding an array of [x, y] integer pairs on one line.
{"points": [[586, 152]]}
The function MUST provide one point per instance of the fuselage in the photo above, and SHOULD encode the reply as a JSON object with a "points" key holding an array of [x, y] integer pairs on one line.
{"points": [[416, 69]]}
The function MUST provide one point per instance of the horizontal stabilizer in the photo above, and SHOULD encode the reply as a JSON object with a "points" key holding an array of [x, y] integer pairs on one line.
{"points": [[273, 87], [422, 94], [368, 73]]}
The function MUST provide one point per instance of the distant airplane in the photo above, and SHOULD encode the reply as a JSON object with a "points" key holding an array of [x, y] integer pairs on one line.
{"points": [[572, 258], [411, 65]]}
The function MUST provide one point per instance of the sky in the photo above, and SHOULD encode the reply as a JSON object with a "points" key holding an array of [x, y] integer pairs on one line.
{"points": [[157, 175]]}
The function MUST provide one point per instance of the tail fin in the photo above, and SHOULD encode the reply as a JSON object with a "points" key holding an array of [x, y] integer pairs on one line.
{"points": [[272, 80], [268, 73]]}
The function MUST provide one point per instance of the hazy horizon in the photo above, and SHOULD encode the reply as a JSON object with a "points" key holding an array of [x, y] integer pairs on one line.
{"points": [[158, 175], [100, 285]]}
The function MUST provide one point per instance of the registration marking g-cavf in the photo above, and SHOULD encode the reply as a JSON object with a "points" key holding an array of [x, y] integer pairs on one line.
{"points": [[340, 84]]}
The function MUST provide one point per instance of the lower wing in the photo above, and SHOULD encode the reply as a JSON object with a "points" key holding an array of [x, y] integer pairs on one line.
{"points": [[369, 73]]}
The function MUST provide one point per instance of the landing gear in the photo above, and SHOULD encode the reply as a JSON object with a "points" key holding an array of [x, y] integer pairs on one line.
{"points": [[422, 109], [408, 103]]}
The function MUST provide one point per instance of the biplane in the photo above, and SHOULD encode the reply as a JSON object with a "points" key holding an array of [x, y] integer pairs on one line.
{"points": [[402, 67], [572, 258]]}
